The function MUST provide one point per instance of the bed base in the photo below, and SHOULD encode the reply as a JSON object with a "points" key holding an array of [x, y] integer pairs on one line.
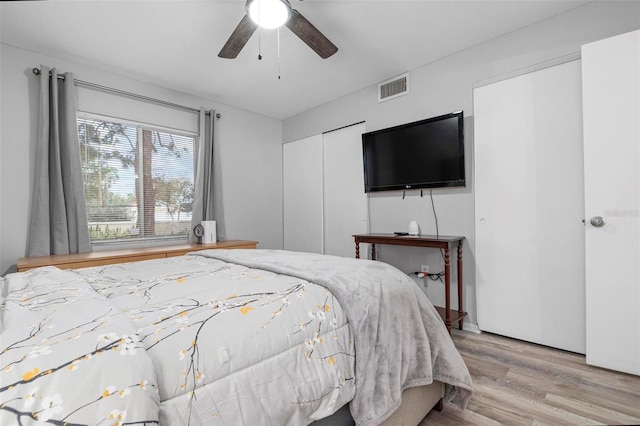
{"points": [[416, 404]]}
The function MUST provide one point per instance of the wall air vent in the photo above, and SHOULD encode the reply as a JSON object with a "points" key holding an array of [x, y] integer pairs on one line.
{"points": [[392, 88]]}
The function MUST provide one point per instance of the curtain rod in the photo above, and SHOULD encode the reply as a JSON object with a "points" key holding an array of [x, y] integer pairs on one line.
{"points": [[87, 84]]}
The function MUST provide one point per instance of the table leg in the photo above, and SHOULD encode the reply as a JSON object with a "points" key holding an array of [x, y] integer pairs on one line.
{"points": [[460, 304], [447, 290], [357, 249], [373, 251]]}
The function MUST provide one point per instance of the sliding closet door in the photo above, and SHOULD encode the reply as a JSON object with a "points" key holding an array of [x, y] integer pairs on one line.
{"points": [[302, 184], [345, 202], [529, 200], [324, 199], [611, 87]]}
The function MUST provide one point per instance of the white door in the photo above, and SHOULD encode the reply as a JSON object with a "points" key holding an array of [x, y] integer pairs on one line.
{"points": [[611, 92], [529, 207], [302, 186], [345, 202]]}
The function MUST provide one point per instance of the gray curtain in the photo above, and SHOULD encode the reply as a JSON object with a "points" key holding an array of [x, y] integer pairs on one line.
{"points": [[58, 210], [207, 198]]}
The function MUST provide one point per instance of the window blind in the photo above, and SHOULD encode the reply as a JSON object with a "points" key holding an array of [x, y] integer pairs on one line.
{"points": [[138, 180]]}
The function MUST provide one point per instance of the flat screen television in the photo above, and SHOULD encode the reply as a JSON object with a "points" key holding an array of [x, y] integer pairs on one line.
{"points": [[424, 154]]}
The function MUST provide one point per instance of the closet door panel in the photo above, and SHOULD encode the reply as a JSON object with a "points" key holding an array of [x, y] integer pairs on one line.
{"points": [[345, 202], [529, 207], [302, 184], [611, 91]]}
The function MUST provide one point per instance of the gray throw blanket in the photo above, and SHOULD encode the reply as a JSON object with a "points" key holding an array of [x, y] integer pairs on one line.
{"points": [[400, 340]]}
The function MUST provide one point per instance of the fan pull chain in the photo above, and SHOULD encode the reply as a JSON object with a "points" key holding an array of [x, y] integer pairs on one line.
{"points": [[260, 32], [278, 53]]}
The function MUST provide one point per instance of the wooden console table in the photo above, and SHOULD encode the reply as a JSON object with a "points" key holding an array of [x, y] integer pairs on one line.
{"points": [[449, 316], [109, 257]]}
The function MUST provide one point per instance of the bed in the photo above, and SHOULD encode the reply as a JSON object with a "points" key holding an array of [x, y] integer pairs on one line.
{"points": [[224, 337]]}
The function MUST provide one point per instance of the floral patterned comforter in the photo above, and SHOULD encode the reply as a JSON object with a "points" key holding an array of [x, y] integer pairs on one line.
{"points": [[186, 340], [69, 356]]}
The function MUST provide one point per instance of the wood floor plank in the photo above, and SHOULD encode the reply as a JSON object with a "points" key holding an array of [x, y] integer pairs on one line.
{"points": [[532, 409], [542, 365], [620, 401], [454, 417], [520, 383], [599, 413]]}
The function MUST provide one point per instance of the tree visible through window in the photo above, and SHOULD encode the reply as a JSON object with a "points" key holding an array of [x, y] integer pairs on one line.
{"points": [[138, 181]]}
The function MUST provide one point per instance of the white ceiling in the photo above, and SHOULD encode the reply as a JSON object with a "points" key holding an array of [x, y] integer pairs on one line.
{"points": [[175, 43]]}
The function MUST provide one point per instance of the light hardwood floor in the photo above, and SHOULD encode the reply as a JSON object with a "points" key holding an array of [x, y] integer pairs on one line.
{"points": [[519, 383]]}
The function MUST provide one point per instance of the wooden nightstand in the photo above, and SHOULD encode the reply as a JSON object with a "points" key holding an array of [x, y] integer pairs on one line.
{"points": [[449, 316]]}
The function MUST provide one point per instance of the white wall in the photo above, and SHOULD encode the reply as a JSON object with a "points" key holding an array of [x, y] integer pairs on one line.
{"points": [[250, 148], [445, 86]]}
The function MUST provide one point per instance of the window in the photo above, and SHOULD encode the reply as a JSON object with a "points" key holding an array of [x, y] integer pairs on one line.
{"points": [[138, 180]]}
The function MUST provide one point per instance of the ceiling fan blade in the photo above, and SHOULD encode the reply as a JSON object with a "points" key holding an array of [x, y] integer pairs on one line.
{"points": [[238, 38], [305, 30]]}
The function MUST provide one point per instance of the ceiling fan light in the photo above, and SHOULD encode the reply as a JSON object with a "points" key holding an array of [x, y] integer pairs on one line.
{"points": [[269, 14]]}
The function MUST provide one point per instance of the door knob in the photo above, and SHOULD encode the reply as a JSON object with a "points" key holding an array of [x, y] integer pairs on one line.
{"points": [[597, 221]]}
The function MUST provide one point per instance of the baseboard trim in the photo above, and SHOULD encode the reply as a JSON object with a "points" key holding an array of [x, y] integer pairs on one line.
{"points": [[473, 328]]}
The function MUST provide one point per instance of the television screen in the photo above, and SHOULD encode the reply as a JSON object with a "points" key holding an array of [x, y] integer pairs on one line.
{"points": [[424, 154]]}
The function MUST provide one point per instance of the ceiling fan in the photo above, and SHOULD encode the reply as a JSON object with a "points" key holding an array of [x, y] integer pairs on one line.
{"points": [[272, 14]]}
